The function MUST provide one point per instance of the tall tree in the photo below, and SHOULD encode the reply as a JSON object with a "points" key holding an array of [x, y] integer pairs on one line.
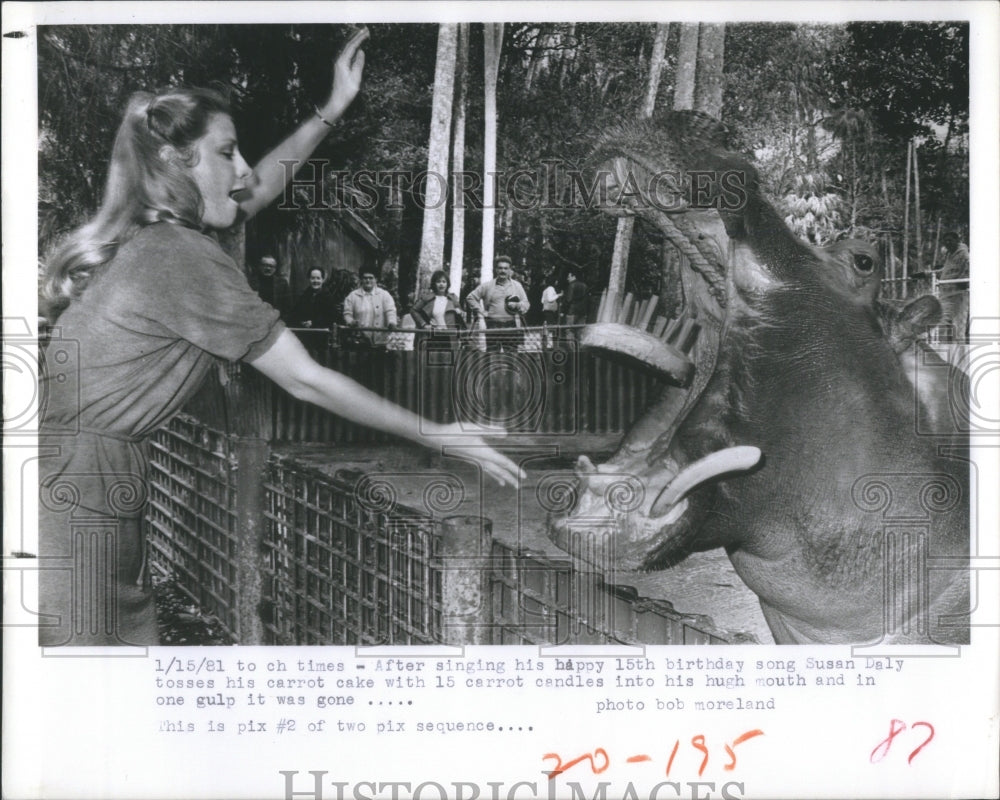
{"points": [[687, 65], [436, 187], [492, 45], [623, 234], [458, 159], [709, 80]]}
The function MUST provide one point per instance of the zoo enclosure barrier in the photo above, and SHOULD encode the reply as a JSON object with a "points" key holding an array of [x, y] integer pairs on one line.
{"points": [[560, 391], [281, 553]]}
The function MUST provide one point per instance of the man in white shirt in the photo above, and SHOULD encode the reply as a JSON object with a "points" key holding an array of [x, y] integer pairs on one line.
{"points": [[501, 302]]}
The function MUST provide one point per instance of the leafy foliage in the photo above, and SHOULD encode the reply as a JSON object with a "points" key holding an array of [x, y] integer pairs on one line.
{"points": [[825, 110]]}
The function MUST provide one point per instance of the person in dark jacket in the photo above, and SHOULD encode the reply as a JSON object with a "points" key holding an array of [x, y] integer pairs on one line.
{"points": [[574, 300], [315, 307], [271, 286]]}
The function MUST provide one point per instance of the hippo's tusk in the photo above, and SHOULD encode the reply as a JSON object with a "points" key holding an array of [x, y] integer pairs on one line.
{"points": [[732, 459]]}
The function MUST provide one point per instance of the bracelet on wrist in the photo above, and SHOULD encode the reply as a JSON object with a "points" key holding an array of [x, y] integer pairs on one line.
{"points": [[321, 118]]}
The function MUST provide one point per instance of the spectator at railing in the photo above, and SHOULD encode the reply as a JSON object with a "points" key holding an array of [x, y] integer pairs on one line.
{"points": [[574, 300], [550, 305], [370, 306], [272, 287], [440, 313], [954, 297], [500, 302], [315, 308], [441, 310]]}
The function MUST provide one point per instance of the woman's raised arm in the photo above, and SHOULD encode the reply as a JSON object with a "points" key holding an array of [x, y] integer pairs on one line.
{"points": [[288, 364], [270, 175]]}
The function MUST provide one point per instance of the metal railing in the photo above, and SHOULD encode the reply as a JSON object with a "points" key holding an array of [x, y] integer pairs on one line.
{"points": [[560, 391]]}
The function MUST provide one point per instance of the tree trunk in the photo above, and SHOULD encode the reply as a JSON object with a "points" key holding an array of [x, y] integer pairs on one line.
{"points": [[656, 61], [937, 242], [917, 215], [567, 55], [687, 63], [893, 286], [492, 44], [812, 150], [392, 234], [623, 234], [545, 37], [458, 162], [692, 59], [709, 80], [435, 193], [906, 221]]}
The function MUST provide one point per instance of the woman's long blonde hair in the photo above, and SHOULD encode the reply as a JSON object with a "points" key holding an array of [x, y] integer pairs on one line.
{"points": [[148, 181]]}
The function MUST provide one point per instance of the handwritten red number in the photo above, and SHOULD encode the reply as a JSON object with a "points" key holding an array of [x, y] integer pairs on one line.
{"points": [[896, 727], [739, 740], [673, 753], [926, 741], [561, 768], [699, 744]]}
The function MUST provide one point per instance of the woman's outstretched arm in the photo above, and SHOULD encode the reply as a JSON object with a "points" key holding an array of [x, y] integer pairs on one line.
{"points": [[270, 175], [288, 364]]}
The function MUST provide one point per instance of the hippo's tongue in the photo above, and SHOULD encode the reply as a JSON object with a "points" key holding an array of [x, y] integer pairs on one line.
{"points": [[721, 462]]}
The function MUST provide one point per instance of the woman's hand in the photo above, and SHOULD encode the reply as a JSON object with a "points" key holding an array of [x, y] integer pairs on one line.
{"points": [[289, 365], [272, 170], [457, 440], [347, 71]]}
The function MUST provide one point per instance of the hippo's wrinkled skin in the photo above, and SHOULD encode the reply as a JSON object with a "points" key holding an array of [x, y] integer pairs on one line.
{"points": [[798, 359]]}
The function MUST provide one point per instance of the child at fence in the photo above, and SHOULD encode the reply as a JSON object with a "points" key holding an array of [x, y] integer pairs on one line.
{"points": [[176, 178]]}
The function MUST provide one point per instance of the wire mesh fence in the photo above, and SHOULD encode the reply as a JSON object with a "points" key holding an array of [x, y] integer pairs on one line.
{"points": [[547, 601], [340, 570], [282, 553], [191, 519]]}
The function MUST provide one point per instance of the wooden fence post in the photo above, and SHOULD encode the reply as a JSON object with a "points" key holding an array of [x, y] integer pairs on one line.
{"points": [[465, 585], [252, 455]]}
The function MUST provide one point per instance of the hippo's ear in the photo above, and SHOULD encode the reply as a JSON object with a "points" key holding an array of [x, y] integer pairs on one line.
{"points": [[923, 313]]}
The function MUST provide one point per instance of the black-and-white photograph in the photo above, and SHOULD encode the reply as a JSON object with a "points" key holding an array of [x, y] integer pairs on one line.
{"points": [[580, 336], [285, 376]]}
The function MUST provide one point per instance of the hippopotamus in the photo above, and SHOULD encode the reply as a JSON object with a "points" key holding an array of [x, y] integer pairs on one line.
{"points": [[801, 446]]}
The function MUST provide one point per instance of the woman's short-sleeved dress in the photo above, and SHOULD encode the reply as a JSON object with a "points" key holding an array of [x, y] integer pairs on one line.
{"points": [[145, 332]]}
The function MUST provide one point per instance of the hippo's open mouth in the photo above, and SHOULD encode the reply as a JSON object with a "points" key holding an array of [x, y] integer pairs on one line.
{"points": [[628, 533], [648, 171]]}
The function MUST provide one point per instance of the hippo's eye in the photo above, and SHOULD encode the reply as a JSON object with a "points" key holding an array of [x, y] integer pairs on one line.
{"points": [[863, 263]]}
